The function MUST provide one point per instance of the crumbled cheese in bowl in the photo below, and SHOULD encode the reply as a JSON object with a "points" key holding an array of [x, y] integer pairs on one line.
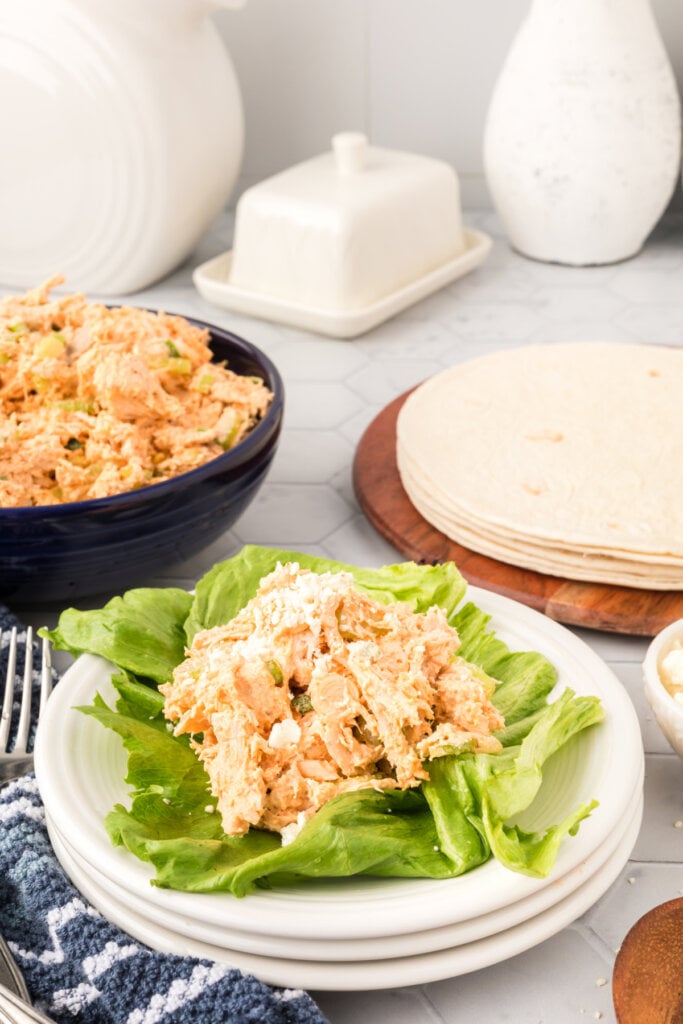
{"points": [[316, 689], [671, 672]]}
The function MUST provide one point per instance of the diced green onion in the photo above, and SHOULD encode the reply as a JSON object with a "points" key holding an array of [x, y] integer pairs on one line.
{"points": [[76, 405], [276, 672], [301, 703], [227, 440], [179, 365], [50, 346]]}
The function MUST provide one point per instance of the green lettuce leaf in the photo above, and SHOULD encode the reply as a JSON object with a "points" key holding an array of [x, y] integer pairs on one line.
{"points": [[226, 588], [457, 820], [490, 789], [143, 631]]}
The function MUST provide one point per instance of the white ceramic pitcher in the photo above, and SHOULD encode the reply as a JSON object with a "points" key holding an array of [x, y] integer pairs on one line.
{"points": [[122, 134], [582, 139]]}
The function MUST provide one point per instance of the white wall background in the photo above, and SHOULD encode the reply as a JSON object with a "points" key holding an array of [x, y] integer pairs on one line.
{"points": [[412, 74]]}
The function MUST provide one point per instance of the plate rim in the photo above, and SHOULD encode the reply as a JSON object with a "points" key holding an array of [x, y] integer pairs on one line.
{"points": [[398, 972], [376, 948]]}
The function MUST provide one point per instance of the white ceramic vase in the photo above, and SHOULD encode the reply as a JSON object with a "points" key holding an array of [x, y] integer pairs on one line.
{"points": [[583, 136], [122, 132]]}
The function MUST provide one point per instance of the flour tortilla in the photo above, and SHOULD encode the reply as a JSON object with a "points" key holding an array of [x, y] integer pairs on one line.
{"points": [[634, 570], [428, 494], [558, 561], [563, 458]]}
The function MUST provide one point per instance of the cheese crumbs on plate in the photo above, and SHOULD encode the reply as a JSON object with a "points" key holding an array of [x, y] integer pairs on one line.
{"points": [[315, 689], [96, 401]]}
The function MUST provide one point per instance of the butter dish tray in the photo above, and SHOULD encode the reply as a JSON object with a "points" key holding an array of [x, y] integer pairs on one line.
{"points": [[212, 282], [342, 241]]}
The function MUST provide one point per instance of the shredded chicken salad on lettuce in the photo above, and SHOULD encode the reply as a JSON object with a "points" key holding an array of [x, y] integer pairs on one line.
{"points": [[299, 718]]}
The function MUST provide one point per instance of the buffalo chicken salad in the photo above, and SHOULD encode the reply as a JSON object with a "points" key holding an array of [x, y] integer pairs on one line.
{"points": [[98, 400], [299, 718]]}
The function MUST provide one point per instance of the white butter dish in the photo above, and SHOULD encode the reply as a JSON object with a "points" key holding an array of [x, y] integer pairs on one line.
{"points": [[341, 242]]}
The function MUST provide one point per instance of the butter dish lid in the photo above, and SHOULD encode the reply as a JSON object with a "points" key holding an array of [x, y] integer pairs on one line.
{"points": [[344, 240], [348, 182]]}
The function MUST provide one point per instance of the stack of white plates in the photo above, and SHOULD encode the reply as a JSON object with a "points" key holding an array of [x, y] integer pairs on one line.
{"points": [[359, 933]]}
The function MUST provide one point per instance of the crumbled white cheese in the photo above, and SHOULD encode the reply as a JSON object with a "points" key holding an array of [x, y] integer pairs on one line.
{"points": [[364, 652], [284, 734], [671, 670], [289, 833]]}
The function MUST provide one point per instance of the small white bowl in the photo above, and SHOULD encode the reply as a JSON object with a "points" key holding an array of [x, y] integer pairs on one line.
{"points": [[667, 711]]}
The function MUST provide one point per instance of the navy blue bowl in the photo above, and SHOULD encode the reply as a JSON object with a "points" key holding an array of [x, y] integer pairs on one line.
{"points": [[56, 553]]}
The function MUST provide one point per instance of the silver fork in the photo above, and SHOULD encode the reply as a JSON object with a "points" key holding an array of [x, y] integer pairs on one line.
{"points": [[19, 759], [15, 1006]]}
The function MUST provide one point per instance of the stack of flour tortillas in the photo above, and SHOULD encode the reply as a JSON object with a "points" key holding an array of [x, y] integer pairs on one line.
{"points": [[562, 458]]}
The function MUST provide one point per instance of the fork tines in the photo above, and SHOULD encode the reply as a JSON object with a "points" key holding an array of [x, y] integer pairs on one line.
{"points": [[19, 746]]}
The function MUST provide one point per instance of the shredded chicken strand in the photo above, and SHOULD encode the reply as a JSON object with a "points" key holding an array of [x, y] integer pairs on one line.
{"points": [[316, 689], [97, 401]]}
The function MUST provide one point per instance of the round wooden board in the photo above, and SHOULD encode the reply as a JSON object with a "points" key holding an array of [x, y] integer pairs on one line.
{"points": [[594, 605]]}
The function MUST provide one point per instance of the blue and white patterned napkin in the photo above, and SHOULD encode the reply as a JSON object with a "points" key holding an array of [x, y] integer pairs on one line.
{"points": [[81, 968]]}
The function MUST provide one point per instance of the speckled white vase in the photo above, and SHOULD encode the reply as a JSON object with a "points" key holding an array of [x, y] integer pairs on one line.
{"points": [[582, 139], [122, 132]]}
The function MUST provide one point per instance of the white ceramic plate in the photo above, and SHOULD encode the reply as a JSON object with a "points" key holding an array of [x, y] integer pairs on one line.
{"points": [[363, 975], [378, 948], [80, 768], [212, 280]]}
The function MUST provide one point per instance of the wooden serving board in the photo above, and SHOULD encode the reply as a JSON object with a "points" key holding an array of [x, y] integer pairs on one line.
{"points": [[594, 605]]}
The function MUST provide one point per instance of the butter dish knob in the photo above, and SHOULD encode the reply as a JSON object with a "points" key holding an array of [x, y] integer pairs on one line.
{"points": [[350, 149]]}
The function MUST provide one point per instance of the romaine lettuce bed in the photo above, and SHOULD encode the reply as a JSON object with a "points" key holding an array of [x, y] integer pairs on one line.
{"points": [[449, 825]]}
